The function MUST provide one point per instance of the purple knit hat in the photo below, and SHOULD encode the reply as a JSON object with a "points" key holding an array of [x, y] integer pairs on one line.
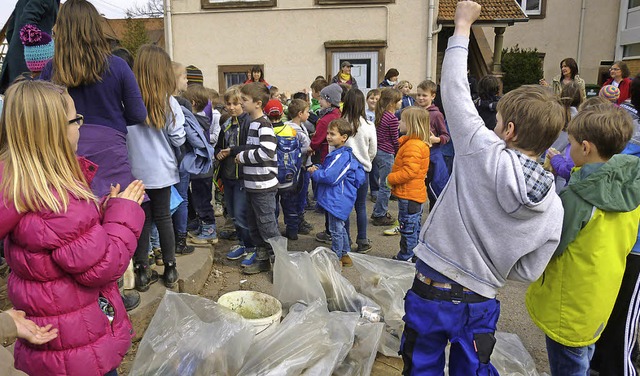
{"points": [[38, 47]]}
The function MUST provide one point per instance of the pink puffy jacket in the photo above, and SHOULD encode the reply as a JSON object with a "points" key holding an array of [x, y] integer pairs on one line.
{"points": [[61, 264]]}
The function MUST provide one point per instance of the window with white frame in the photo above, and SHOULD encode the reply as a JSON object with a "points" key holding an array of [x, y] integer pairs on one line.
{"points": [[634, 3], [531, 7]]}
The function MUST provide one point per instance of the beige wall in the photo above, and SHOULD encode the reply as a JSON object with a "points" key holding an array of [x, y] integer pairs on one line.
{"points": [[289, 40], [557, 35]]}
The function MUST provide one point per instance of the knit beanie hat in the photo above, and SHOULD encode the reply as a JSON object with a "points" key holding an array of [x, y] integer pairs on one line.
{"points": [[194, 76], [332, 94], [38, 47], [610, 93], [273, 108]]}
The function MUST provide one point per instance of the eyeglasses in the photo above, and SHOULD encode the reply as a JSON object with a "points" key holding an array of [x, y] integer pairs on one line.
{"points": [[79, 120], [612, 68]]}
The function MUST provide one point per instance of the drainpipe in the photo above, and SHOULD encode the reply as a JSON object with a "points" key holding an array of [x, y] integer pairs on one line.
{"points": [[168, 32], [583, 9], [430, 34]]}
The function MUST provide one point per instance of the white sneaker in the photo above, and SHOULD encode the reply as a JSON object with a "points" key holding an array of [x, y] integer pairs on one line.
{"points": [[392, 231]]}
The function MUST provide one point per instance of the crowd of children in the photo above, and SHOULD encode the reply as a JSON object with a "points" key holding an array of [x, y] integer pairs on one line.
{"points": [[150, 125]]}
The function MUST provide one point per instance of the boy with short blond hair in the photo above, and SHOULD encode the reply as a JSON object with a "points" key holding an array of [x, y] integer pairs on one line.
{"points": [[498, 218], [260, 174], [574, 300]]}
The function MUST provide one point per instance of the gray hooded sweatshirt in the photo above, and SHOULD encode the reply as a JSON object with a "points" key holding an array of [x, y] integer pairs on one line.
{"points": [[484, 228]]}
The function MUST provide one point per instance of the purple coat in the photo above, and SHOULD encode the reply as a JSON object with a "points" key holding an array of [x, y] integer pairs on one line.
{"points": [[562, 164], [61, 264]]}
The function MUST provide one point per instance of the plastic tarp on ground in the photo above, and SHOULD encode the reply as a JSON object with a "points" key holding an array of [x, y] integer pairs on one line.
{"points": [[386, 282], [191, 335]]}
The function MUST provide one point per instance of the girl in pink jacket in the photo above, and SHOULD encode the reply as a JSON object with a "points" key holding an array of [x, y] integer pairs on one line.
{"points": [[65, 249]]}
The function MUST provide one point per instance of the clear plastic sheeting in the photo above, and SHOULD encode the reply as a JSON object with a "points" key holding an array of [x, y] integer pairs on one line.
{"points": [[179, 341], [511, 358], [293, 276], [302, 339], [340, 293], [386, 282], [362, 355], [342, 327]]}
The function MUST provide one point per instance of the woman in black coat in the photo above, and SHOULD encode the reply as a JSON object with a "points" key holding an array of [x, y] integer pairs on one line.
{"points": [[42, 13]]}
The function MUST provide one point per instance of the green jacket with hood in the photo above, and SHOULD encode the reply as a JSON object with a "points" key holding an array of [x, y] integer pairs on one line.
{"points": [[573, 299]]}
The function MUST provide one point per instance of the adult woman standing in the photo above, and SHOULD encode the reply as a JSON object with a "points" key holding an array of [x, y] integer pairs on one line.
{"points": [[41, 13], [344, 76], [619, 73], [104, 91], [390, 79], [256, 75], [568, 74]]}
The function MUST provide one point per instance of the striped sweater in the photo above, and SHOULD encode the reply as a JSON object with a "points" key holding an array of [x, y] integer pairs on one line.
{"points": [[260, 163]]}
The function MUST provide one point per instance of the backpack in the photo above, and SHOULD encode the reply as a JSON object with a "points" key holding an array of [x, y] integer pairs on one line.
{"points": [[289, 157]]}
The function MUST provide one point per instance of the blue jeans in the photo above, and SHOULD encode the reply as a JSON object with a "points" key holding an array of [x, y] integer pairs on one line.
{"points": [[374, 180], [430, 324], [409, 216], [112, 373], [568, 361], [302, 195], [201, 194], [179, 217], [235, 199], [289, 202], [339, 237], [383, 161], [361, 208]]}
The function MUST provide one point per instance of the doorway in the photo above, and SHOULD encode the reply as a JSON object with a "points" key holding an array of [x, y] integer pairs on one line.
{"points": [[367, 58]]}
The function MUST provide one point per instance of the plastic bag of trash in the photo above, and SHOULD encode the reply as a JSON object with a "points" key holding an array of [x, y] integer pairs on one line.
{"points": [[386, 282], [301, 340], [340, 293], [342, 327], [178, 339], [294, 276], [362, 355], [511, 358]]}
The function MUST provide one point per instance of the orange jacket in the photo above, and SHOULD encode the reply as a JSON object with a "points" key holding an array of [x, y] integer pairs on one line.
{"points": [[410, 169]]}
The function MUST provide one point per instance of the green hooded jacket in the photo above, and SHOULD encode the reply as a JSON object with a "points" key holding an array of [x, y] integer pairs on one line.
{"points": [[573, 299]]}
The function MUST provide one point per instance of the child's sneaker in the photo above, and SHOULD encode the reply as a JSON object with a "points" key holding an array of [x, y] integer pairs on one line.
{"points": [[228, 235], [157, 255], [363, 245], [305, 228], [193, 227], [323, 237], [249, 258], [207, 235], [236, 252], [346, 261], [385, 220], [395, 230]]}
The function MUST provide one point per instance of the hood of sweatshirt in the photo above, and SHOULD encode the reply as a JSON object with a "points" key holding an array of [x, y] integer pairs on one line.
{"points": [[612, 186]]}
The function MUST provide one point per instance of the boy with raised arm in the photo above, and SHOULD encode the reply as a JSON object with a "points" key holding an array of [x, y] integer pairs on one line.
{"points": [[497, 218]]}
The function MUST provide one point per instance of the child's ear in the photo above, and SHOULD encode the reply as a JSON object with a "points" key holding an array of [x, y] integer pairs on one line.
{"points": [[588, 147]]}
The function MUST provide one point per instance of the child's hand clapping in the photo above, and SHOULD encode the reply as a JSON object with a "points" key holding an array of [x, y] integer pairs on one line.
{"points": [[134, 192]]}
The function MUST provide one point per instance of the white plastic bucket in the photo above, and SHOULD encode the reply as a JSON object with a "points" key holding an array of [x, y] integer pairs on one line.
{"points": [[261, 310]]}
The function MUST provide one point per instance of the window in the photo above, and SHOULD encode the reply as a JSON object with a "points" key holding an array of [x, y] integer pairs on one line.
{"points": [[634, 3], [349, 2], [229, 75], [533, 8], [217, 4], [631, 50]]}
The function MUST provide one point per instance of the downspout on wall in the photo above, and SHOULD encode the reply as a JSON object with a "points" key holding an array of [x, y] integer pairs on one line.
{"points": [[430, 34], [583, 10], [168, 31]]}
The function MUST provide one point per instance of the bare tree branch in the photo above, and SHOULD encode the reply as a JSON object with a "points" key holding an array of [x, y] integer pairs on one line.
{"points": [[152, 9]]}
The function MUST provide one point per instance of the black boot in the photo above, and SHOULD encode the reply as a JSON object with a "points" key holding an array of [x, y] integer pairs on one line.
{"points": [[131, 299], [144, 277], [170, 274], [181, 245]]}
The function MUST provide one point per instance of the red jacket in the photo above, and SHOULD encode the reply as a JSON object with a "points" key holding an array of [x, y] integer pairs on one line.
{"points": [[60, 265], [624, 87], [319, 141]]}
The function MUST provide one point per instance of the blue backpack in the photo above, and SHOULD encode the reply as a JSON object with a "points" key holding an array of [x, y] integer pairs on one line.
{"points": [[289, 157]]}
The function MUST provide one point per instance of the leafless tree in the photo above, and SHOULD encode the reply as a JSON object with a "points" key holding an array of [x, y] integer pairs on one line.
{"points": [[152, 9]]}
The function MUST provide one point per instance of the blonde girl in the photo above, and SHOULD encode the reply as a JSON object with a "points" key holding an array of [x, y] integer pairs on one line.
{"points": [[407, 177], [65, 250], [387, 133], [405, 88], [153, 160]]}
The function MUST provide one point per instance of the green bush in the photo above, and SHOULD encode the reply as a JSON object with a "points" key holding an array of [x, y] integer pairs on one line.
{"points": [[520, 67]]}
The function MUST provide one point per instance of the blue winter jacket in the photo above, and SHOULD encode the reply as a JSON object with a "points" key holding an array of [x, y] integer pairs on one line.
{"points": [[338, 180]]}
